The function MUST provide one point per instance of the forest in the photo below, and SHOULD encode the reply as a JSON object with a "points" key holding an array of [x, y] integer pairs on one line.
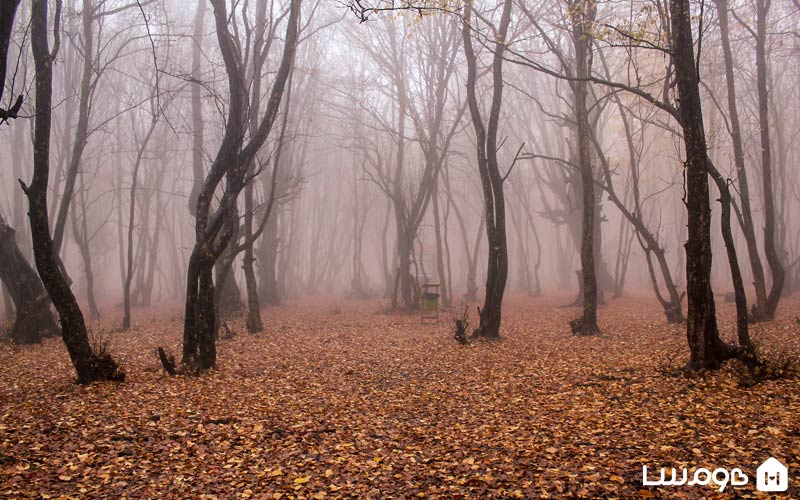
{"points": [[399, 249]]}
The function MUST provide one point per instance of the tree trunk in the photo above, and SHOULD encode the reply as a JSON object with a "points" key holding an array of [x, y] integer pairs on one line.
{"points": [[708, 351], [267, 261], [214, 231], [742, 329], [491, 180], [8, 11], [126, 290], [89, 366], [198, 172], [581, 13], [770, 250], [33, 319], [254, 323], [437, 224], [81, 128], [80, 234], [747, 225]]}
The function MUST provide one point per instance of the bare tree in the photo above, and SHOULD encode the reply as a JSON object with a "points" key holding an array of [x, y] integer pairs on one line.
{"points": [[214, 230], [707, 349], [582, 14], [489, 168], [770, 249], [90, 365]]}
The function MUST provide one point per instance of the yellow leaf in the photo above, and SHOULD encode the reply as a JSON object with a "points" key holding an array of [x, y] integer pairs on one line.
{"points": [[277, 472], [469, 461], [302, 479], [617, 479], [65, 477]]}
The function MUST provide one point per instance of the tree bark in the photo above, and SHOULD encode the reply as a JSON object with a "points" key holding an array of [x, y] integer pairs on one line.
{"points": [[708, 351], [8, 11], [88, 364], [82, 127], [581, 14], [770, 250], [491, 180], [198, 172], [747, 225], [33, 319], [126, 290], [213, 232]]}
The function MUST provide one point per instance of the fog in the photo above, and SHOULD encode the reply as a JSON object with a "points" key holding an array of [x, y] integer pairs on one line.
{"points": [[366, 183], [399, 248]]}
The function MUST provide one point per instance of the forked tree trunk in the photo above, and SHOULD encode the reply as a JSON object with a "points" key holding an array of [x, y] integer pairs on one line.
{"points": [[213, 231], [491, 180], [742, 329]]}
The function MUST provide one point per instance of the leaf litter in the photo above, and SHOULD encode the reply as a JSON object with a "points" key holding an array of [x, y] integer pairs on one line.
{"points": [[336, 399]]}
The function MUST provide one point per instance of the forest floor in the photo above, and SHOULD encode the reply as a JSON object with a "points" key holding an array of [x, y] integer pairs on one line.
{"points": [[338, 399]]}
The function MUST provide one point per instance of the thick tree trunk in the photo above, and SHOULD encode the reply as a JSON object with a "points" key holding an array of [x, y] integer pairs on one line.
{"points": [[33, 319], [89, 366], [406, 282], [708, 351]]}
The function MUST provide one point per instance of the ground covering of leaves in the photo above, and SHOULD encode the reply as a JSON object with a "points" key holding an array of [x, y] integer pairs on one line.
{"points": [[337, 399]]}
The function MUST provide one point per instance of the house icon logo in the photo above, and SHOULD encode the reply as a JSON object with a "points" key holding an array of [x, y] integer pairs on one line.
{"points": [[772, 476]]}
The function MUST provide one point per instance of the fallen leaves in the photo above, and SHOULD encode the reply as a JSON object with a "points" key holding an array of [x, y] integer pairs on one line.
{"points": [[367, 405]]}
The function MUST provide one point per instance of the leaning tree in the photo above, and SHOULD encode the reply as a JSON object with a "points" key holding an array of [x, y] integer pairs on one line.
{"points": [[90, 364]]}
